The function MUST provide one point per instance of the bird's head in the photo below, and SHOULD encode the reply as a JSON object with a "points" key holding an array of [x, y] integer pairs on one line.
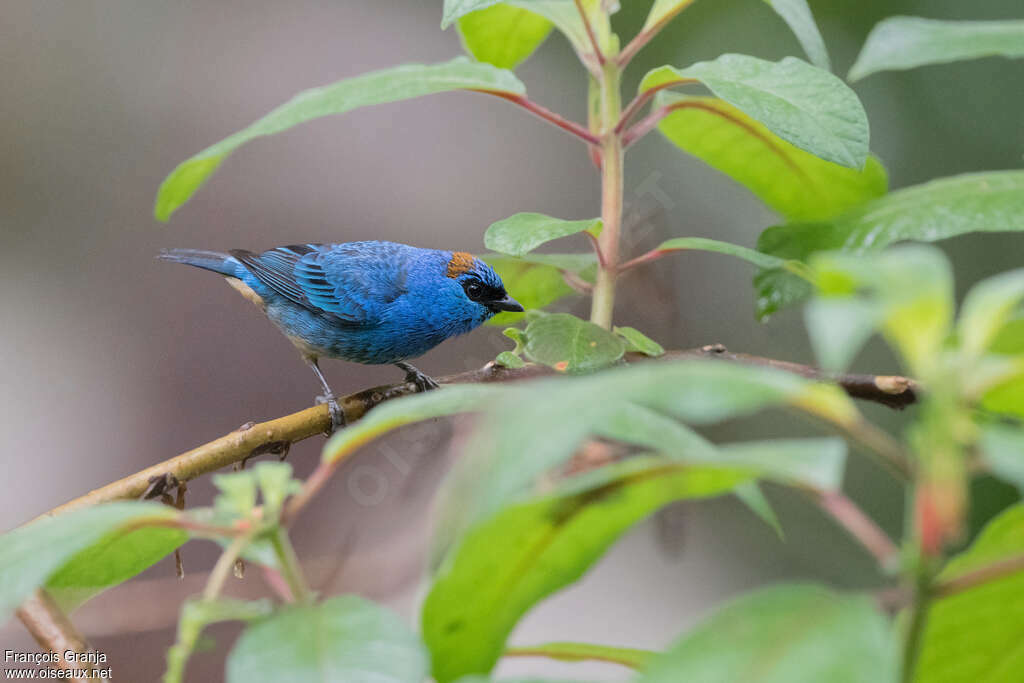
{"points": [[480, 285]]}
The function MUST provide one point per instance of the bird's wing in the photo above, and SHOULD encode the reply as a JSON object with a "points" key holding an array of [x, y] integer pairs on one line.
{"points": [[339, 280]]}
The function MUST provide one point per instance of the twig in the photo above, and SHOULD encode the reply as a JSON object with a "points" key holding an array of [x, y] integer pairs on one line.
{"points": [[52, 629], [647, 34], [643, 98], [976, 577], [849, 515], [590, 32], [546, 114]]}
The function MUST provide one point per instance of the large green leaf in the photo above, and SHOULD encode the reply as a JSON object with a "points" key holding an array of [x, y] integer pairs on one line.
{"points": [[806, 106], [1002, 448], [976, 635], [538, 425], [503, 35], [569, 344], [562, 13], [522, 233], [113, 559], [795, 183], [536, 280], [907, 292], [545, 545], [449, 400], [785, 634], [907, 42], [342, 639], [987, 308], [32, 554], [798, 16], [991, 201], [377, 87]]}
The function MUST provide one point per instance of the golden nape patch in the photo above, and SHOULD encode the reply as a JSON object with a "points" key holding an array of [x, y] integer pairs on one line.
{"points": [[461, 263], [246, 291]]}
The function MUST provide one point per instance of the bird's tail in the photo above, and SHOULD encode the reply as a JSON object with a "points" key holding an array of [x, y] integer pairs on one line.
{"points": [[224, 264]]}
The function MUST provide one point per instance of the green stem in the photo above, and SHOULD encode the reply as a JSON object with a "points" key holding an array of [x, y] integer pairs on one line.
{"points": [[918, 619], [226, 561], [290, 569], [611, 196]]}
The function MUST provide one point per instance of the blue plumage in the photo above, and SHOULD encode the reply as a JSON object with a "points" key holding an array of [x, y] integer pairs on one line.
{"points": [[368, 302]]}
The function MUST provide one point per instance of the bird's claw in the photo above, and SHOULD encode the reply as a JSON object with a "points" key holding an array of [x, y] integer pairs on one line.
{"points": [[334, 408], [423, 382]]}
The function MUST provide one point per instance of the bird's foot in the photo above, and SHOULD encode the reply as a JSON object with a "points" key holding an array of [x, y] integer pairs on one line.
{"points": [[423, 382], [334, 408]]}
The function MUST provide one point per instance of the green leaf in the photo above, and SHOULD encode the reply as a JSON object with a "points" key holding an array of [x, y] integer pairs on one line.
{"points": [[976, 634], [586, 652], [568, 344], [1009, 339], [663, 11], [32, 554], [991, 201], [806, 106], [509, 360], [638, 342], [503, 35], [751, 495], [536, 280], [197, 615], [522, 233], [987, 308], [798, 16], [784, 634], [908, 42], [545, 545], [795, 183], [1002, 448], [377, 87], [729, 249], [113, 559], [807, 463], [562, 13], [344, 638], [448, 400], [911, 288], [537, 425], [838, 329]]}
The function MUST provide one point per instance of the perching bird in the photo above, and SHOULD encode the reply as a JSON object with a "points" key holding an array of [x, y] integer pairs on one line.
{"points": [[367, 302]]}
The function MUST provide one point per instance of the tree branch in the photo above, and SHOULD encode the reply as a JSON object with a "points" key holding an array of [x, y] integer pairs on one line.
{"points": [[253, 439], [52, 629]]}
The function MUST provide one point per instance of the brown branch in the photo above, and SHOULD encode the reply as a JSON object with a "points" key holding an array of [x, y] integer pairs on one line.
{"points": [[546, 114], [894, 392], [52, 629], [45, 620]]}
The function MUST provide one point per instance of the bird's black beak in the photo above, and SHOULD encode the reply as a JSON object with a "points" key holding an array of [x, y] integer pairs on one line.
{"points": [[506, 304]]}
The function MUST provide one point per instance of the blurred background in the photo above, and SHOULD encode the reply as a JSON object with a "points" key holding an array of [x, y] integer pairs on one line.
{"points": [[112, 361]]}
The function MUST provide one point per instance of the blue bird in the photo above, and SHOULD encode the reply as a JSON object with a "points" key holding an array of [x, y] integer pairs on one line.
{"points": [[367, 302]]}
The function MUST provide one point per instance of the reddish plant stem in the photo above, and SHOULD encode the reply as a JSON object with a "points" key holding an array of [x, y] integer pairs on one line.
{"points": [[597, 248], [641, 39], [548, 115], [643, 98], [992, 572], [590, 33], [859, 525]]}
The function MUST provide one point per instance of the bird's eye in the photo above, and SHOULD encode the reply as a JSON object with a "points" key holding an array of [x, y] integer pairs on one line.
{"points": [[474, 290]]}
